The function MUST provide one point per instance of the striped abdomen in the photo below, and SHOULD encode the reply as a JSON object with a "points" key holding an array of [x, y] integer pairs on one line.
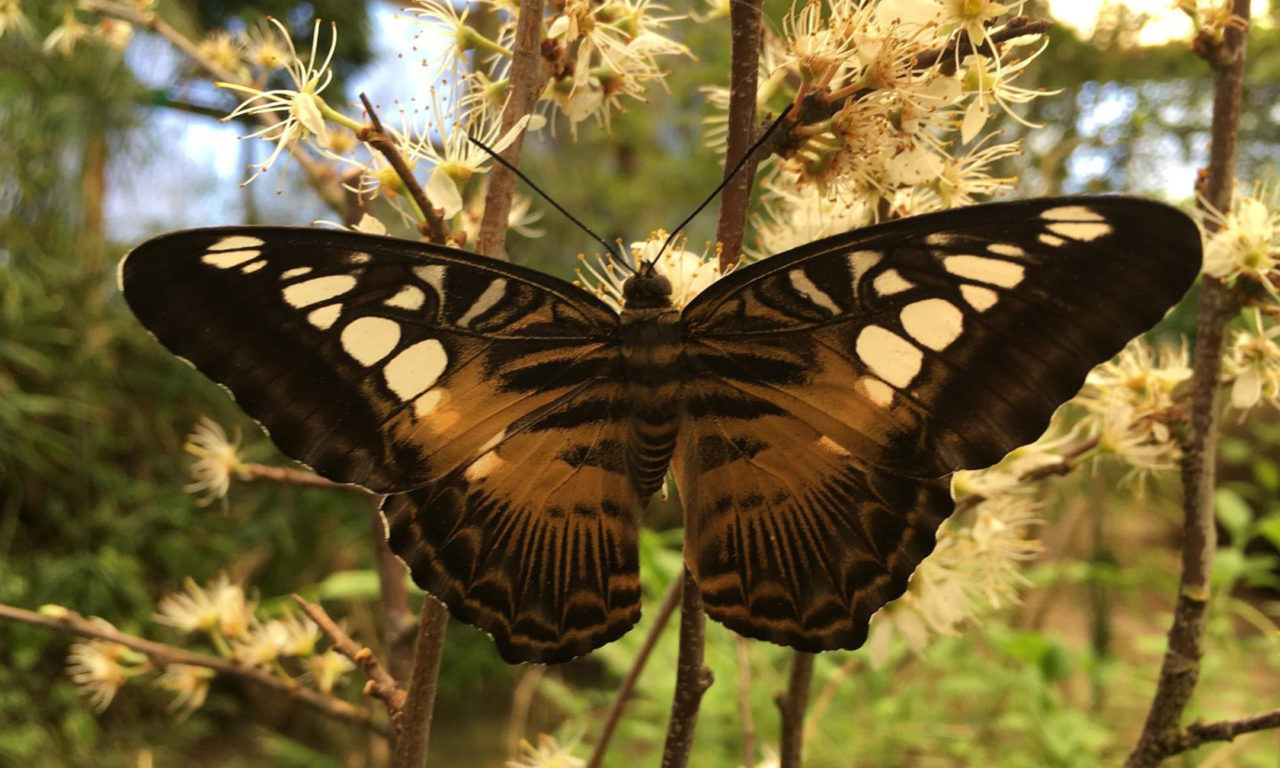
{"points": [[651, 352]]}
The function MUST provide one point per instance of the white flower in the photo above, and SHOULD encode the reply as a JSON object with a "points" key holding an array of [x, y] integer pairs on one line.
{"points": [[1247, 241], [326, 669], [1255, 360], [217, 460], [548, 753], [99, 668], [67, 35], [292, 115], [12, 19], [189, 684], [690, 273], [218, 607]]}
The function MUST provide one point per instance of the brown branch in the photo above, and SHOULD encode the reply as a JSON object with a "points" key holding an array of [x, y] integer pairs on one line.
{"points": [[792, 705], [290, 476], [744, 18], [163, 655], [432, 226], [744, 703], [381, 685], [393, 598], [665, 609], [413, 728], [529, 76], [1180, 669], [692, 678], [1019, 26]]}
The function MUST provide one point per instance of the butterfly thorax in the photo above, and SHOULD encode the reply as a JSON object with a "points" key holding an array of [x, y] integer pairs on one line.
{"points": [[651, 349]]}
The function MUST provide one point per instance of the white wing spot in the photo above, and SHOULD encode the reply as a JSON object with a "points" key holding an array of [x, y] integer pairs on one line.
{"points": [[978, 297], [324, 317], [249, 269], [1072, 213], [317, 289], [815, 295], [429, 402], [369, 339], [229, 259], [876, 390], [831, 446], [1052, 240], [861, 262], [358, 258], [409, 297], [484, 466], [888, 355], [1084, 231], [416, 369], [1006, 249], [889, 282], [237, 242], [994, 271], [432, 275], [289, 274], [491, 295], [939, 238], [934, 323]]}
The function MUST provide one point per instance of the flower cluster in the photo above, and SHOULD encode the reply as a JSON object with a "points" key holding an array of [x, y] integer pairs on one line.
{"points": [[975, 568], [689, 272], [223, 616], [602, 54], [1130, 406], [912, 87]]}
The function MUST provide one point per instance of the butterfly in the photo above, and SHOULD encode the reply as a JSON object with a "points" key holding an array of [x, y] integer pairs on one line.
{"points": [[812, 405]]}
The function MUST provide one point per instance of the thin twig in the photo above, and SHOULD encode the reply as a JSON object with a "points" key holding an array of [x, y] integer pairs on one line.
{"points": [[692, 678], [1199, 733], [393, 598], [1065, 464], [521, 704], [162, 655], [529, 76], [413, 728], [665, 609], [792, 705], [432, 226], [745, 21], [290, 476], [1180, 670], [744, 703], [382, 685]]}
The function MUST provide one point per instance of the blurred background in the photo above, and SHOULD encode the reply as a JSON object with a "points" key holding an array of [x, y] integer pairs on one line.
{"points": [[100, 149]]}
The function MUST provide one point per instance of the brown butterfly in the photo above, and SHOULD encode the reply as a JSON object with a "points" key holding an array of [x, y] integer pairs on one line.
{"points": [[812, 405]]}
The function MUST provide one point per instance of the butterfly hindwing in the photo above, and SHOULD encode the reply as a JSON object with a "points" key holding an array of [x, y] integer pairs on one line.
{"points": [[833, 388], [535, 540], [483, 396]]}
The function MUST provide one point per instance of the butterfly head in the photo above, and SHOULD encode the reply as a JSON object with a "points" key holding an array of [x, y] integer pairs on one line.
{"points": [[646, 289]]}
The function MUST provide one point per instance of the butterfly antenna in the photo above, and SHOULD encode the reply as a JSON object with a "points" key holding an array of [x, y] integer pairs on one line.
{"points": [[727, 177], [612, 250]]}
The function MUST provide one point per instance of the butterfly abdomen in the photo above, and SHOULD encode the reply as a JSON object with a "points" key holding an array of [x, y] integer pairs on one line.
{"points": [[652, 354]]}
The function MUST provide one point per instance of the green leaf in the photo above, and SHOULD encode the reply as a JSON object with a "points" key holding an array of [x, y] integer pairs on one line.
{"points": [[1233, 513]]}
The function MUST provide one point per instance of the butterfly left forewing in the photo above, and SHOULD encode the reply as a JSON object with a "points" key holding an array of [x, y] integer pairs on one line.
{"points": [[485, 398], [362, 355], [833, 388]]}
